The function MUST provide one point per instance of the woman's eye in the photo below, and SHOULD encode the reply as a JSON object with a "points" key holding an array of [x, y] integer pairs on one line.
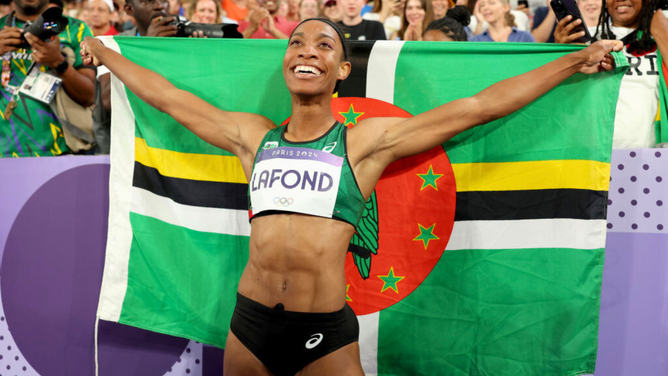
{"points": [[295, 42], [325, 45]]}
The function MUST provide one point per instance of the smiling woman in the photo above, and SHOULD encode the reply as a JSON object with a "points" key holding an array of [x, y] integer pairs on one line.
{"points": [[309, 181]]}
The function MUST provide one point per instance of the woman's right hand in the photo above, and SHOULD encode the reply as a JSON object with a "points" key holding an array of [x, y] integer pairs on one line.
{"points": [[477, 13], [90, 48], [562, 34]]}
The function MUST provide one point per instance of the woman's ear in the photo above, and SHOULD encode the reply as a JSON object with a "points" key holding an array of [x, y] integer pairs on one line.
{"points": [[344, 70]]}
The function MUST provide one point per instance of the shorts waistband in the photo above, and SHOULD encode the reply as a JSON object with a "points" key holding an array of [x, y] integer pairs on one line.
{"points": [[251, 306]]}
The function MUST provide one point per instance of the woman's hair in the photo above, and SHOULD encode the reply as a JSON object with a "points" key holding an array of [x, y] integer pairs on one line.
{"points": [[428, 17], [192, 6], [510, 18], [641, 39], [452, 25], [377, 6]]}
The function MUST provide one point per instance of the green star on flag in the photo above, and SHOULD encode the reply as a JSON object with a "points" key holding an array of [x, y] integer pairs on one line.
{"points": [[426, 234], [390, 280], [429, 179], [351, 116], [347, 297]]}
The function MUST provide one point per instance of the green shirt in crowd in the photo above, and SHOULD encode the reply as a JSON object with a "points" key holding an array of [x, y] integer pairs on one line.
{"points": [[33, 130]]}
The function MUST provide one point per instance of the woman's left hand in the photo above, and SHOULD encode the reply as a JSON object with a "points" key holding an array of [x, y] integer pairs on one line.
{"points": [[597, 57]]}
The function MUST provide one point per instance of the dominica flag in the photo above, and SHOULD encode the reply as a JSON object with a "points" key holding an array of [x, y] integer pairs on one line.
{"points": [[483, 256]]}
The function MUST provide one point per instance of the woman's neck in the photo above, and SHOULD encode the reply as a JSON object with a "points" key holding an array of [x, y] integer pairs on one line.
{"points": [[499, 31], [310, 119]]}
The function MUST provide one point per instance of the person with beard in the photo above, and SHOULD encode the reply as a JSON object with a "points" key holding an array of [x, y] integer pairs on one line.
{"points": [[24, 129], [264, 22]]}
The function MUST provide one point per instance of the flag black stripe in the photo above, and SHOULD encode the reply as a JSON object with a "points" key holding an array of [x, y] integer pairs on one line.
{"points": [[531, 204], [355, 84], [192, 192]]}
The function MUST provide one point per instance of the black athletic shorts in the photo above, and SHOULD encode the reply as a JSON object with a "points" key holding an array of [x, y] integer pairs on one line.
{"points": [[285, 341]]}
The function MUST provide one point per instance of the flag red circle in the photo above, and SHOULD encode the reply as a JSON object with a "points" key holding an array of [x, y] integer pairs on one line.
{"points": [[415, 217]]}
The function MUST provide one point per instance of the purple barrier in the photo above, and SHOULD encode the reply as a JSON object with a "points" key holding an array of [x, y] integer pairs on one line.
{"points": [[53, 218], [633, 331]]}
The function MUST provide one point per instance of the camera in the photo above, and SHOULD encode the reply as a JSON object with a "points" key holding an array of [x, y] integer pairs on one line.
{"points": [[47, 25], [186, 29]]}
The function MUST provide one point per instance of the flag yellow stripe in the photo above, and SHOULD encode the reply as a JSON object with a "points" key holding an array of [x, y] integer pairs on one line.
{"points": [[203, 167], [515, 176]]}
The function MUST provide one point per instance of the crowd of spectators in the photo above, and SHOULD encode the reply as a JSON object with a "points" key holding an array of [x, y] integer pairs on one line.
{"points": [[25, 132]]}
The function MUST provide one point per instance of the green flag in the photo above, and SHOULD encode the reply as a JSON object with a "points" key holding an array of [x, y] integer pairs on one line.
{"points": [[483, 256]]}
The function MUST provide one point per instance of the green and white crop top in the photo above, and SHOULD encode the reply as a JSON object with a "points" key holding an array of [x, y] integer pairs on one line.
{"points": [[311, 177]]}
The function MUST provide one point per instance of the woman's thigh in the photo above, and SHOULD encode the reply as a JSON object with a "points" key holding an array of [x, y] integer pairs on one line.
{"points": [[239, 361], [344, 361]]}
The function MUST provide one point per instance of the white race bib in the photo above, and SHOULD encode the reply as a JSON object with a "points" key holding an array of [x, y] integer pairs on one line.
{"points": [[295, 179]]}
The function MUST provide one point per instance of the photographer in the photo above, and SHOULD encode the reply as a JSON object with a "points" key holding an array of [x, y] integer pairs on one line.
{"points": [[30, 133]]}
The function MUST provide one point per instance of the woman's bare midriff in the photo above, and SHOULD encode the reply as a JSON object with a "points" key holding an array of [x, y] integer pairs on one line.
{"points": [[297, 260]]}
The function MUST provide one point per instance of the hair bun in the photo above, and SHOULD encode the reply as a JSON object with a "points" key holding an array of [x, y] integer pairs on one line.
{"points": [[460, 14]]}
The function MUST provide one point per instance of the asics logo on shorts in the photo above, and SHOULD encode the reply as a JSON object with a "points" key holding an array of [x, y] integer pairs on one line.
{"points": [[282, 201], [314, 341]]}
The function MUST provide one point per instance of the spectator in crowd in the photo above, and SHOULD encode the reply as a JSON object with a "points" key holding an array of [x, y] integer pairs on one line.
{"points": [[331, 11], [530, 10], [642, 29], [83, 15], [449, 28], [24, 126], [236, 9], [544, 24], [293, 10], [590, 10], [205, 11], [265, 23], [478, 23], [501, 22], [354, 26], [387, 12], [417, 15], [283, 9], [101, 13], [440, 7], [309, 9]]}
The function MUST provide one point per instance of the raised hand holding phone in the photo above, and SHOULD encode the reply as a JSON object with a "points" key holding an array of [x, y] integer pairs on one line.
{"points": [[570, 28]]}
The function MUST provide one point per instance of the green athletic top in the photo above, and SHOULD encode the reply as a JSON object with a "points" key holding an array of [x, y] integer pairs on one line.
{"points": [[311, 177]]}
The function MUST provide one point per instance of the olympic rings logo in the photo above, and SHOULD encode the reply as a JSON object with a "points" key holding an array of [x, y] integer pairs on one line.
{"points": [[282, 201]]}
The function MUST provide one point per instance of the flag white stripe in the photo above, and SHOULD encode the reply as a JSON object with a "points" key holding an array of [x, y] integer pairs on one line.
{"points": [[529, 233], [381, 68], [119, 236], [369, 342], [379, 85], [215, 220]]}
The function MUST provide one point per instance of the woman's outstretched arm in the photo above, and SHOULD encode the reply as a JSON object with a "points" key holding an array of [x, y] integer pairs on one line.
{"points": [[377, 142], [237, 132]]}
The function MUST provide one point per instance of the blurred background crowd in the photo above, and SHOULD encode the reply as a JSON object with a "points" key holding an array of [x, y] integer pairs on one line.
{"points": [[23, 133]]}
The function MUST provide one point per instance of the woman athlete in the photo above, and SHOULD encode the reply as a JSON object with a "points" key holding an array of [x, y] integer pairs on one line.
{"points": [[291, 315]]}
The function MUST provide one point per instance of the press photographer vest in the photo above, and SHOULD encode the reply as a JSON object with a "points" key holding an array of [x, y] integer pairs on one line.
{"points": [[312, 177]]}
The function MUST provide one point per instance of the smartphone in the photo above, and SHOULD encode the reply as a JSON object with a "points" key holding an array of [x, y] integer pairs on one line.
{"points": [[523, 2], [563, 8]]}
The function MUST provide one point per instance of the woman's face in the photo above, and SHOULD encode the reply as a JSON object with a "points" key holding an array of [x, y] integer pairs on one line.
{"points": [[205, 12], [293, 6], [414, 12], [440, 7], [591, 10], [308, 9], [624, 13], [312, 62], [493, 10]]}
